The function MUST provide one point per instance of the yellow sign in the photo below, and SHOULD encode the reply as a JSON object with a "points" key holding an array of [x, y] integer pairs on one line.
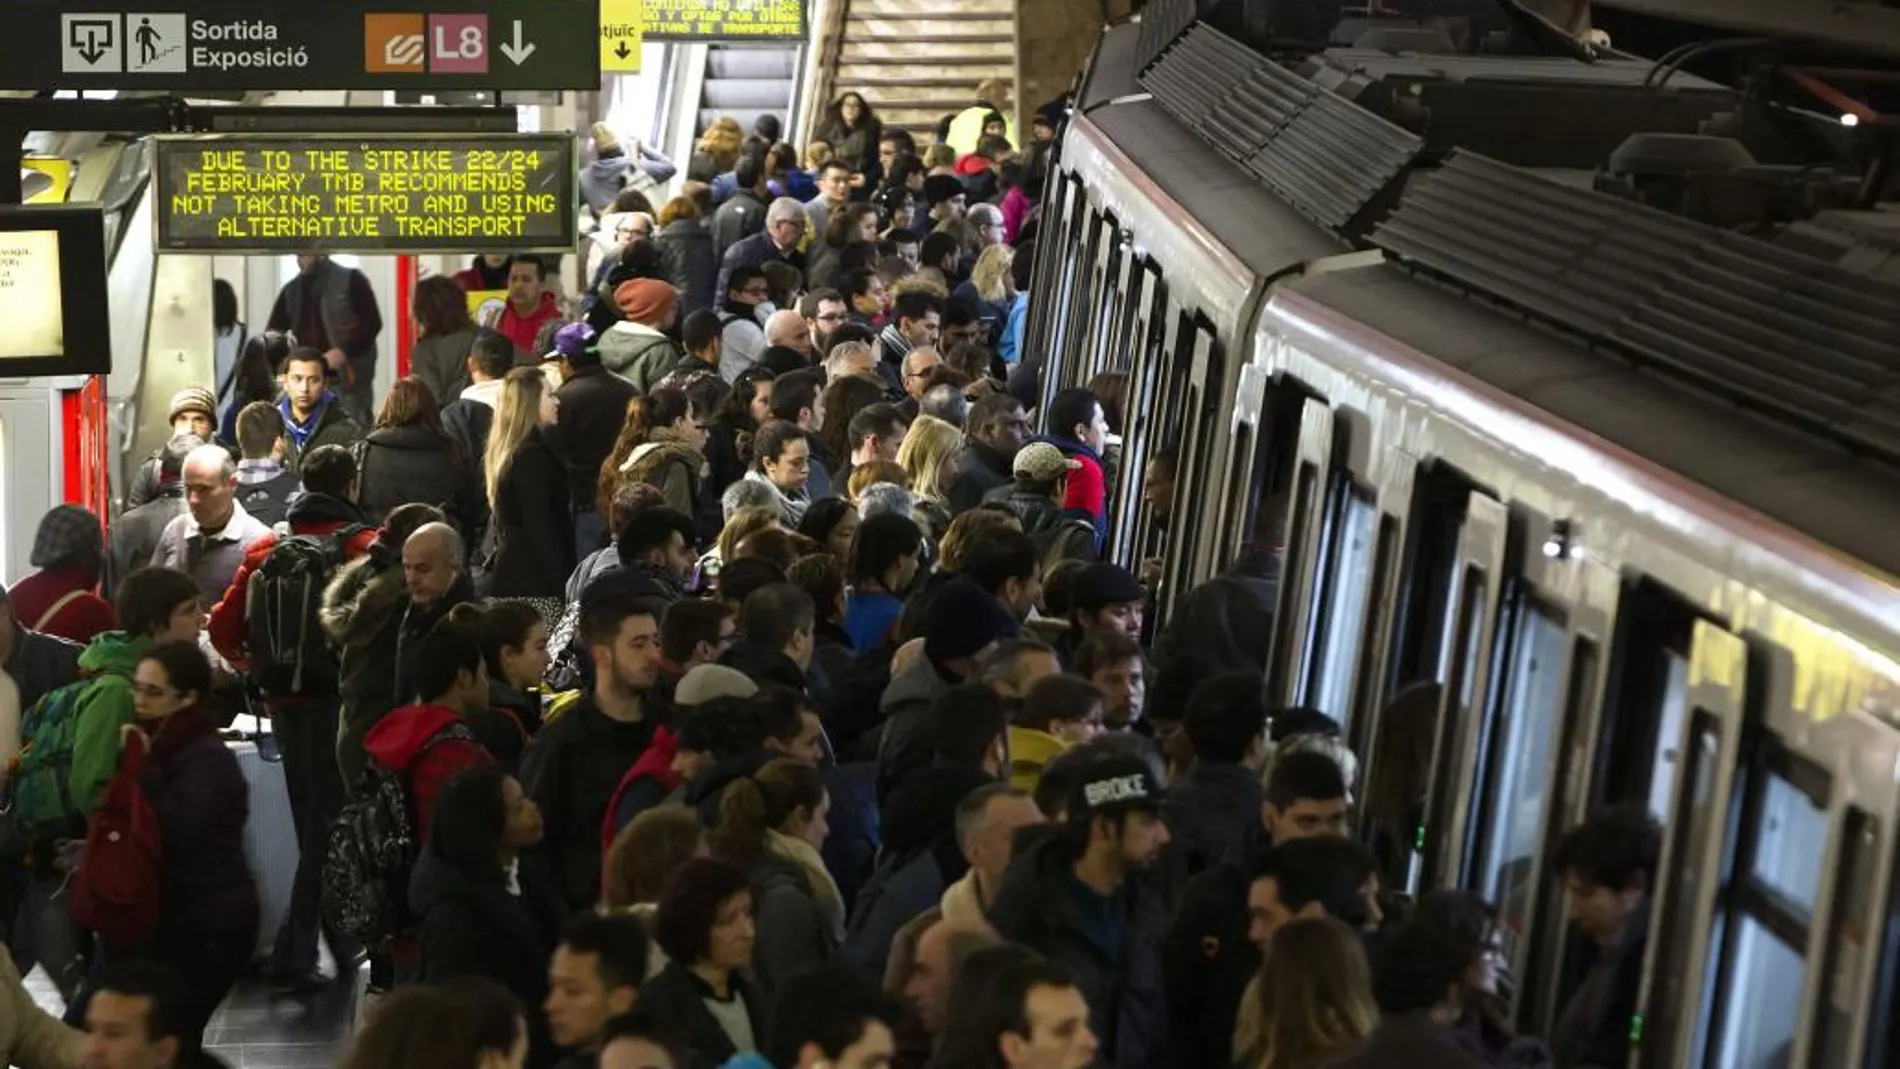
{"points": [[621, 23], [485, 306], [57, 180], [29, 295]]}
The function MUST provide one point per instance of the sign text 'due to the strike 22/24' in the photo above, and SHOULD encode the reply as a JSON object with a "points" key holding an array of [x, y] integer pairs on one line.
{"points": [[497, 193]]}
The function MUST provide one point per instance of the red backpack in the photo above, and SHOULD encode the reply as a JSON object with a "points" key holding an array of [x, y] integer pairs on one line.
{"points": [[116, 890]]}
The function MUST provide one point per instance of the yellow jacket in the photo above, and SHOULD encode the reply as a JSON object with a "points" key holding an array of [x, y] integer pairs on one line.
{"points": [[1029, 751], [967, 129], [30, 1037]]}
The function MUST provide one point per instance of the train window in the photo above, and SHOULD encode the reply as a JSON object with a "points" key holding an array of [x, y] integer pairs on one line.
{"points": [[1517, 788], [1346, 581], [1761, 969], [1644, 703], [1849, 941]]}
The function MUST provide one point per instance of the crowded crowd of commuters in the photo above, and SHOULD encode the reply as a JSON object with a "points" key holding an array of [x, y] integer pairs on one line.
{"points": [[729, 675]]}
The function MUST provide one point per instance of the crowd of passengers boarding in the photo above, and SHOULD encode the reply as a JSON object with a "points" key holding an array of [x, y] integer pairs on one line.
{"points": [[726, 677]]}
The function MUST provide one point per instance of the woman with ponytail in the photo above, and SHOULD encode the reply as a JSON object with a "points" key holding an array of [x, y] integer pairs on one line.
{"points": [[773, 824], [661, 444]]}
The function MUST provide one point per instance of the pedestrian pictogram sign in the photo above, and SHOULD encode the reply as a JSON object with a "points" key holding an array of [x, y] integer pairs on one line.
{"points": [[497, 45], [620, 34]]}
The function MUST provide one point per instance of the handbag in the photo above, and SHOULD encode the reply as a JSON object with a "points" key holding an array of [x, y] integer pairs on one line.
{"points": [[117, 888]]}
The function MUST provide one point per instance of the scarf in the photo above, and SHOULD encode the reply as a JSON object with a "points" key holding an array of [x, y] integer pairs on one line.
{"points": [[300, 433], [823, 887]]}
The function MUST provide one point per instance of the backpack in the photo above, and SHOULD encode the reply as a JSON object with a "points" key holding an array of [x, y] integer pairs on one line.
{"points": [[289, 653], [44, 809], [373, 845], [116, 891]]}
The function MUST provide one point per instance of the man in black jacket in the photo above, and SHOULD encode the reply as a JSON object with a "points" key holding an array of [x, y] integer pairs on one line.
{"points": [[1211, 950], [1081, 898], [574, 765], [469, 416], [996, 430], [593, 405]]}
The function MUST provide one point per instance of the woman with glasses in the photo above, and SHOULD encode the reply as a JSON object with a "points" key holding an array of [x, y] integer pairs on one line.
{"points": [[781, 459], [208, 908], [662, 444]]}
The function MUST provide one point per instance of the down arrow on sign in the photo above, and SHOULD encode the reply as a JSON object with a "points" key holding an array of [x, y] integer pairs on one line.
{"points": [[517, 50]]}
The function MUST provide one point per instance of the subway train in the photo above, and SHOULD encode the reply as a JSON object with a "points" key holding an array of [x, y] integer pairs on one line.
{"points": [[1611, 484]]}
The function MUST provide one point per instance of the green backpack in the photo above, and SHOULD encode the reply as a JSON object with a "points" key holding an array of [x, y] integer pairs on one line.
{"points": [[44, 809]]}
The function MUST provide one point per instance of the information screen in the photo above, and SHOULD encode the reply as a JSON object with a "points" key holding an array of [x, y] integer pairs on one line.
{"points": [[702, 20], [53, 292], [396, 193]]}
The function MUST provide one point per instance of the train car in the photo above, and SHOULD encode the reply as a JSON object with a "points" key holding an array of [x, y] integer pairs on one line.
{"points": [[1582, 502]]}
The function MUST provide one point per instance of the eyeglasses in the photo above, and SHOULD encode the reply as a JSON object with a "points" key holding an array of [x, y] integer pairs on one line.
{"points": [[148, 690]]}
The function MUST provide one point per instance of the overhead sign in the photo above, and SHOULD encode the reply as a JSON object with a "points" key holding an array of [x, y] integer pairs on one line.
{"points": [[53, 292], [621, 23], [325, 44], [725, 20], [383, 193]]}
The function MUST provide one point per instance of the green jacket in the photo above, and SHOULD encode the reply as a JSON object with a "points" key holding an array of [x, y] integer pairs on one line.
{"points": [[106, 666]]}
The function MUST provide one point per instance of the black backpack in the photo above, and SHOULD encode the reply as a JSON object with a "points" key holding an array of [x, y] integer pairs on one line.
{"points": [[373, 846], [290, 656]]}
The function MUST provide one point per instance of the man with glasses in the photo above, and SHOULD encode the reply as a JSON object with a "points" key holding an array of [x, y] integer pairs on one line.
{"points": [[987, 222], [824, 312], [918, 364], [834, 191], [742, 333], [784, 229]]}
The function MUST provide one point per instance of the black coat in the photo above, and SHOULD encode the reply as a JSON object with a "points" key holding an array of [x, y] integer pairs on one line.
{"points": [[468, 422], [399, 465], [593, 410], [740, 217], [472, 926], [674, 1001], [198, 792], [1035, 906], [1208, 958], [571, 770], [1413, 1041], [334, 427], [535, 552], [979, 469], [692, 264]]}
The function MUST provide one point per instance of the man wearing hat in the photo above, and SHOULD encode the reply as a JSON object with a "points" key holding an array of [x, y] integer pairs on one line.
{"points": [[963, 622], [1104, 598], [1082, 898], [636, 348], [1038, 480], [947, 197], [593, 404], [193, 411], [711, 722], [69, 549]]}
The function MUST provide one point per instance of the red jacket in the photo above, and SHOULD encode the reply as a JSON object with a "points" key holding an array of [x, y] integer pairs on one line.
{"points": [[226, 627], [521, 329], [399, 743], [79, 619], [655, 764]]}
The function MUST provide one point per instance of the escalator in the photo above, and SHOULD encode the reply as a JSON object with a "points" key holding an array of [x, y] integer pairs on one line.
{"points": [[747, 81]]}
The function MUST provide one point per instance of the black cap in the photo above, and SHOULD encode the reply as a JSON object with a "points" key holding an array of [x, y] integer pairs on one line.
{"points": [[1101, 585], [942, 187], [1117, 784]]}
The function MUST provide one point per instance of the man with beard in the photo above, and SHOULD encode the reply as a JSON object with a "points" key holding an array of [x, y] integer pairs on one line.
{"points": [[573, 766], [1081, 899]]}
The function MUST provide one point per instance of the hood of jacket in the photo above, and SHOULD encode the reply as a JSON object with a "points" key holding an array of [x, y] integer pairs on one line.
{"points": [[310, 509], [663, 446], [362, 590], [113, 653], [656, 762], [764, 664], [398, 738], [918, 682], [434, 880], [703, 792], [484, 393], [1030, 751], [412, 436], [923, 809]]}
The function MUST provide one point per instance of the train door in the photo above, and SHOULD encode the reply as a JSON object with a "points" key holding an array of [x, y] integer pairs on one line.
{"points": [[1301, 567], [32, 452], [1188, 408], [1131, 532], [1053, 293]]}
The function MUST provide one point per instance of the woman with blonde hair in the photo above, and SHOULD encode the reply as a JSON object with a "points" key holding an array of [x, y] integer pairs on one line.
{"points": [[865, 476], [992, 288], [741, 525], [532, 531], [687, 253], [817, 154], [1310, 1004], [717, 150], [928, 450], [773, 824], [970, 530]]}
